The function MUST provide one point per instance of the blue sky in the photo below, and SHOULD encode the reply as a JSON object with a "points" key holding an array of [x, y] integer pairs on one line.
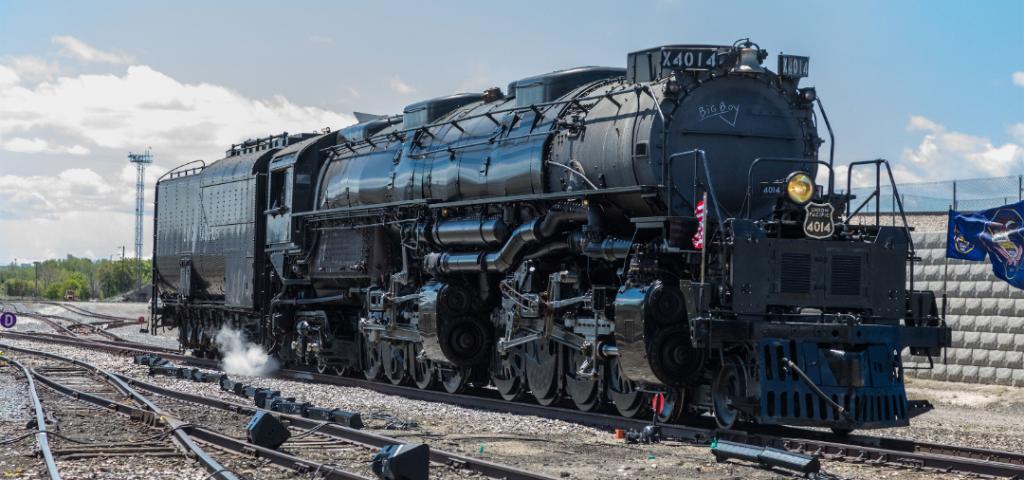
{"points": [[929, 85]]}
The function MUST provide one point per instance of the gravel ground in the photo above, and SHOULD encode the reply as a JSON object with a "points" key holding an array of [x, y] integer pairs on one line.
{"points": [[562, 449], [17, 459], [95, 426], [84, 423]]}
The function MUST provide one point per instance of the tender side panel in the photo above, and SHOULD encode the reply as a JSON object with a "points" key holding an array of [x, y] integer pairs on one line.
{"points": [[176, 228]]}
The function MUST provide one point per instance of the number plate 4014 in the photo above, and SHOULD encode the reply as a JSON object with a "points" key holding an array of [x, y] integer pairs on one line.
{"points": [[818, 221], [689, 58]]}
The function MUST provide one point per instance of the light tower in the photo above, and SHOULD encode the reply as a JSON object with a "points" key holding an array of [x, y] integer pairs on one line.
{"points": [[140, 160]]}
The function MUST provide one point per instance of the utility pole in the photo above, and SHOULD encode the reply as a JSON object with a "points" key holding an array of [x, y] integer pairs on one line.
{"points": [[35, 294], [140, 160]]}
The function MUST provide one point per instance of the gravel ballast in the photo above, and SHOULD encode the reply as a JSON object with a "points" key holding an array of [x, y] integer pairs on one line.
{"points": [[562, 449]]}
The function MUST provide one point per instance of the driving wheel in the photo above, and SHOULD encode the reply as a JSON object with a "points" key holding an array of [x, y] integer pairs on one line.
{"points": [[454, 379], [507, 373], [542, 371], [623, 392], [393, 357], [584, 389], [371, 359]]}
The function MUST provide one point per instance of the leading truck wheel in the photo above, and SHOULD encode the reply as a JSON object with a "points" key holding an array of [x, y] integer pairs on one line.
{"points": [[728, 387]]}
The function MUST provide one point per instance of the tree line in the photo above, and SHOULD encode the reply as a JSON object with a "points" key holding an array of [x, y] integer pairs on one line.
{"points": [[85, 278]]}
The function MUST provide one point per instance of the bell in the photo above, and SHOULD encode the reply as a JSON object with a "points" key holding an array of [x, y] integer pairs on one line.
{"points": [[749, 61]]}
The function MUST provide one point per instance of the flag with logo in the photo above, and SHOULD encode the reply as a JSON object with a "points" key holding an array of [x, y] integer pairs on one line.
{"points": [[997, 233]]}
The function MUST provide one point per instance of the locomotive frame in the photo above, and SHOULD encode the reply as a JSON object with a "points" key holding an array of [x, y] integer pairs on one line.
{"points": [[533, 243]]}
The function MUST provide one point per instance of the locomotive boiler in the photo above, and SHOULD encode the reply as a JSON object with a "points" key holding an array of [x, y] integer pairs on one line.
{"points": [[595, 235]]}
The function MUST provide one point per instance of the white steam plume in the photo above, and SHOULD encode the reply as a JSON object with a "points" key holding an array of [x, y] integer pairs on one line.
{"points": [[239, 357]]}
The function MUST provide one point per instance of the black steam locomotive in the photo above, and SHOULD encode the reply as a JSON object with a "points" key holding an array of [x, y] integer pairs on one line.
{"points": [[551, 241]]}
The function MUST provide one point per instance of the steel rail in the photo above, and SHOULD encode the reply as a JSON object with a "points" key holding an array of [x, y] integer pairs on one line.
{"points": [[347, 434], [150, 414], [341, 432], [60, 327], [112, 344], [92, 327], [42, 434], [877, 450], [81, 311]]}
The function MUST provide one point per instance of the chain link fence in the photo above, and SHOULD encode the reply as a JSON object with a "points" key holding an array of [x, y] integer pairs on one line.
{"points": [[937, 197]]}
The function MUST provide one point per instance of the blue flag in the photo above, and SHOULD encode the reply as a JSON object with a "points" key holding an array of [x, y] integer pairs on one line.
{"points": [[997, 233]]}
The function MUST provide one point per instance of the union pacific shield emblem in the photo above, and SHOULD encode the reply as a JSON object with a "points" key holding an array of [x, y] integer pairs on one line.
{"points": [[818, 220]]}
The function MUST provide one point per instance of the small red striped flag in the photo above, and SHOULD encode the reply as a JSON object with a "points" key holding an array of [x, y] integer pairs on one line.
{"points": [[698, 238]]}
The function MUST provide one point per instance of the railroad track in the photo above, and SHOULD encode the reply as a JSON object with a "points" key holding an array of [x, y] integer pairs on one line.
{"points": [[855, 448], [73, 327], [108, 321], [41, 433], [88, 313], [146, 434], [327, 443]]}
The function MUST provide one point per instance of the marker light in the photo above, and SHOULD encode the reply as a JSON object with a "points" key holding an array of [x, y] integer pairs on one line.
{"points": [[799, 187]]}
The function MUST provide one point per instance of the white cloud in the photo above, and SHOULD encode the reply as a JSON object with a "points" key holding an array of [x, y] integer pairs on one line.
{"points": [[34, 68], [944, 154], [100, 117], [76, 48], [144, 107], [76, 211], [918, 122], [1018, 79], [39, 145], [399, 86], [40, 238], [1017, 131], [8, 77]]}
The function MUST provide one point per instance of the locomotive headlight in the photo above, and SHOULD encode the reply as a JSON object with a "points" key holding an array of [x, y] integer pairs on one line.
{"points": [[799, 187]]}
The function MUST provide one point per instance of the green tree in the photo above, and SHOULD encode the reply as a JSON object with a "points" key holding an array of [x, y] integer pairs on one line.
{"points": [[14, 287], [120, 277], [74, 282], [88, 278]]}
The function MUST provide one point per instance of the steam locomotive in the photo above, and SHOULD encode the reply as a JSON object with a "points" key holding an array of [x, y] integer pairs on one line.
{"points": [[595, 235]]}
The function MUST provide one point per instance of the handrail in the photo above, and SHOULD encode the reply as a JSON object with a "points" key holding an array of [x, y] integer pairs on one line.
{"points": [[878, 162], [179, 167], [831, 135], [668, 182], [535, 107]]}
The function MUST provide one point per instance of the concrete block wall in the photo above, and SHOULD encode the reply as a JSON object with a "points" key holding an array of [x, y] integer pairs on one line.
{"points": [[986, 314]]}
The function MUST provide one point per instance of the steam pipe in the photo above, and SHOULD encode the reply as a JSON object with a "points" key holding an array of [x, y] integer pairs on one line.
{"points": [[309, 301], [611, 248], [524, 236], [472, 232]]}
